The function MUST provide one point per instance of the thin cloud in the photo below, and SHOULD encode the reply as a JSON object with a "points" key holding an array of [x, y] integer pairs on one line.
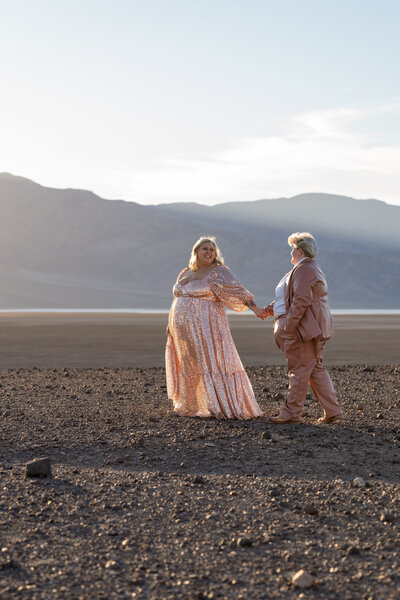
{"points": [[316, 151]]}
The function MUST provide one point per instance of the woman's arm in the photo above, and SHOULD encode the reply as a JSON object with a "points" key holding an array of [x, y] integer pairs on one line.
{"points": [[259, 312]]}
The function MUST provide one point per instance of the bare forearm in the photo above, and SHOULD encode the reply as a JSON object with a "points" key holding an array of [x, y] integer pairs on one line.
{"points": [[259, 312]]}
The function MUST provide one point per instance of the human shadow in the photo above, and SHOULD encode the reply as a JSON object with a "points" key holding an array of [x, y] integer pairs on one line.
{"points": [[173, 445]]}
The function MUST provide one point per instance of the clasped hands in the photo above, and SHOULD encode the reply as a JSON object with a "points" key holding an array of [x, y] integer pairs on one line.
{"points": [[263, 313]]}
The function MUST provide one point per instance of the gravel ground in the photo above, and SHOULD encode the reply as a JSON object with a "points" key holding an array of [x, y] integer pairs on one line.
{"points": [[147, 505]]}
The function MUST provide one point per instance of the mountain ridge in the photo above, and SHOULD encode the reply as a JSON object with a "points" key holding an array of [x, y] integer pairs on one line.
{"points": [[71, 248]]}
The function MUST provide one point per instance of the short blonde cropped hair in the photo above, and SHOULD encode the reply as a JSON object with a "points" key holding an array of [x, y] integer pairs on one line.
{"points": [[305, 241], [218, 259]]}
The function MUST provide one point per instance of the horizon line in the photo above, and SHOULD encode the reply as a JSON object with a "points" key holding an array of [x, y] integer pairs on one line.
{"points": [[163, 203]]}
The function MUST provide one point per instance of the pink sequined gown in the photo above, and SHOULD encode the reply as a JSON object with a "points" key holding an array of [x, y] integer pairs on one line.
{"points": [[205, 375]]}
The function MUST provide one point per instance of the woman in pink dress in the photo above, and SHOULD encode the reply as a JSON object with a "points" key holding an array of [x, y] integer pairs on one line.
{"points": [[205, 376]]}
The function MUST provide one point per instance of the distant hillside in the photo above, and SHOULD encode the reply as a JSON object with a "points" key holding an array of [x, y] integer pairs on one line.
{"points": [[70, 248]]}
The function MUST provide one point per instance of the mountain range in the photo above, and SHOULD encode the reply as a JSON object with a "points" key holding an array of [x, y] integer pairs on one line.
{"points": [[72, 249]]}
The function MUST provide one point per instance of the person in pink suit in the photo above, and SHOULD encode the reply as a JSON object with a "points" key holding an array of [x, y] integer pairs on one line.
{"points": [[205, 376], [303, 324]]}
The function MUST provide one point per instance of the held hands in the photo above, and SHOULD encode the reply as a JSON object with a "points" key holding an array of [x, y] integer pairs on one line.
{"points": [[259, 312], [263, 313], [268, 311]]}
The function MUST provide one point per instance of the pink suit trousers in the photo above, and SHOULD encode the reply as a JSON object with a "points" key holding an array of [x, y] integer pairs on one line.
{"points": [[305, 367]]}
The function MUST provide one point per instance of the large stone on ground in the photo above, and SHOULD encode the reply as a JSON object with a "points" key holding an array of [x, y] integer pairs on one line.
{"points": [[40, 467]]}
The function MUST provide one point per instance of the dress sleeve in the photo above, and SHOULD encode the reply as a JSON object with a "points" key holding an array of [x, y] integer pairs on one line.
{"points": [[228, 290]]}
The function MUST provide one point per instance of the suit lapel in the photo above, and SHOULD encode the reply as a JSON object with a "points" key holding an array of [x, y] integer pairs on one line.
{"points": [[289, 286]]}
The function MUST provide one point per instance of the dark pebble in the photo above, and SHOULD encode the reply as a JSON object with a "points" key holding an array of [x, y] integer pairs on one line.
{"points": [[387, 517], [310, 509], [244, 542]]}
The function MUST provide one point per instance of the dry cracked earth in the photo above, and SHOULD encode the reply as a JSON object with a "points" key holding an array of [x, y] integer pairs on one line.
{"points": [[142, 504]]}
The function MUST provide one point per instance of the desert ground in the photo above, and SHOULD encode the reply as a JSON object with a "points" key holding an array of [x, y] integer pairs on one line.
{"points": [[144, 504]]}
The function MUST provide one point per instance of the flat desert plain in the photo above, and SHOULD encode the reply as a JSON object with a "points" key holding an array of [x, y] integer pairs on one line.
{"points": [[91, 340], [144, 504]]}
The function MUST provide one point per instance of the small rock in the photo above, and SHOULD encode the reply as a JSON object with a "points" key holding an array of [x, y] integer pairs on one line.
{"points": [[244, 542], [9, 563], [310, 509], [302, 579], [353, 550], [41, 467], [111, 564], [359, 482], [380, 416], [266, 435], [198, 479], [387, 517]]}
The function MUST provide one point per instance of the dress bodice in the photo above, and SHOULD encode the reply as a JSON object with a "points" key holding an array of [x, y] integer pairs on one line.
{"points": [[197, 288]]}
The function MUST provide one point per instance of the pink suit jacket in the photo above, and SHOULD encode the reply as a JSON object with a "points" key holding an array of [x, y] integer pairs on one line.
{"points": [[306, 299]]}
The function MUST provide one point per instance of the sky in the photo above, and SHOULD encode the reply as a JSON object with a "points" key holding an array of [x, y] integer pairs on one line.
{"points": [[157, 101]]}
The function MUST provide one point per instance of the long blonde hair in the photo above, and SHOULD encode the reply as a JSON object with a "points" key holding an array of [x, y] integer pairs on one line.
{"points": [[218, 259]]}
